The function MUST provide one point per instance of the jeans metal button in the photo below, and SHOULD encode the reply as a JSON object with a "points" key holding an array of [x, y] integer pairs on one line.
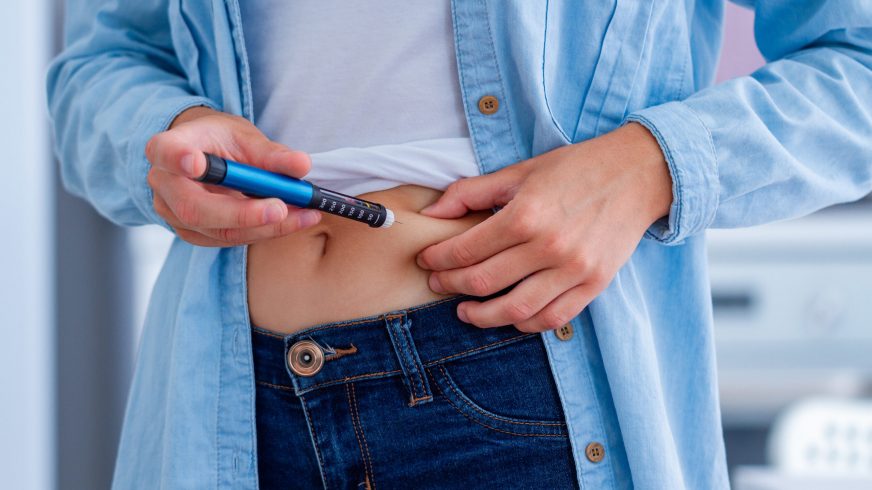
{"points": [[305, 358]]}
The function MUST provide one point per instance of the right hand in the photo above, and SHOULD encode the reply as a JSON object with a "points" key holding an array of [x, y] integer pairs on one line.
{"points": [[213, 216]]}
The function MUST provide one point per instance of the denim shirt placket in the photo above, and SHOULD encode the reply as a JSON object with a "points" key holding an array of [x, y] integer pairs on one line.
{"points": [[496, 147], [236, 423]]}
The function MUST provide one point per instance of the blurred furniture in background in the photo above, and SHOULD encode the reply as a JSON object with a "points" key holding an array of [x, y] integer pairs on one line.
{"points": [[792, 312], [819, 443]]}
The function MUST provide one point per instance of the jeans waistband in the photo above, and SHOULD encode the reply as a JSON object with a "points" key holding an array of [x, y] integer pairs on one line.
{"points": [[397, 343]]}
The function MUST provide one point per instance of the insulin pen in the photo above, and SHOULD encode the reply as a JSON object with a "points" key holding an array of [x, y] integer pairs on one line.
{"points": [[257, 182]]}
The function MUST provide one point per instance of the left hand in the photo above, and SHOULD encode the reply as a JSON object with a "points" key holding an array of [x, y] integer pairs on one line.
{"points": [[571, 218]]}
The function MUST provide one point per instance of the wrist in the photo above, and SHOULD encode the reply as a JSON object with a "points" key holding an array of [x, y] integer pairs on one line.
{"points": [[655, 180]]}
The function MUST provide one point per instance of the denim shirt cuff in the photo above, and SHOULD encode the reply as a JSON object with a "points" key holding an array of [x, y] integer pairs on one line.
{"points": [[689, 150], [155, 120]]}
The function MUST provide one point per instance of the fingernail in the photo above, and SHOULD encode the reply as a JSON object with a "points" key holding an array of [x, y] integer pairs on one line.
{"points": [[461, 313], [187, 165], [309, 218], [428, 208], [420, 261], [273, 213], [435, 285]]}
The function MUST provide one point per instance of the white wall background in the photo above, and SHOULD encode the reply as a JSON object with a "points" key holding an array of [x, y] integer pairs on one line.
{"points": [[26, 288]]}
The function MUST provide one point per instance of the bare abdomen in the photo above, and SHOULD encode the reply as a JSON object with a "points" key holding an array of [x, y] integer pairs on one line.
{"points": [[341, 269]]}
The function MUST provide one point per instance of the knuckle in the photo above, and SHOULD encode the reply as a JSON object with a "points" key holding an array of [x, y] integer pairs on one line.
{"points": [[281, 228], [244, 216], [479, 283], [552, 319], [461, 254], [599, 277], [187, 211], [518, 311], [455, 187], [524, 224], [579, 263], [557, 245], [229, 235], [285, 227]]}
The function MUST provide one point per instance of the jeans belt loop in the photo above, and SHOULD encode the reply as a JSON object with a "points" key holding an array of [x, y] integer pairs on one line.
{"points": [[414, 375]]}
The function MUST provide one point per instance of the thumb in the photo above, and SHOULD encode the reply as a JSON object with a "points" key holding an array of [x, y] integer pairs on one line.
{"points": [[276, 157], [476, 193], [181, 149]]}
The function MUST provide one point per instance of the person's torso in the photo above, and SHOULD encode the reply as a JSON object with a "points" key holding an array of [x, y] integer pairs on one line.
{"points": [[560, 72]]}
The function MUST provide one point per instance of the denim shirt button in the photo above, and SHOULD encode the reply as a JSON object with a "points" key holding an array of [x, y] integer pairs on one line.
{"points": [[488, 105], [564, 332], [595, 452]]}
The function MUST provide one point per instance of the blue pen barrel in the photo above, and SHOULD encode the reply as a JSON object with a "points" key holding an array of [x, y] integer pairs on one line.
{"points": [[257, 182], [262, 183]]}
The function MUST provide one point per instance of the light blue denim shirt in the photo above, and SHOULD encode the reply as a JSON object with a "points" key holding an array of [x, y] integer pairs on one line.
{"points": [[639, 373]]}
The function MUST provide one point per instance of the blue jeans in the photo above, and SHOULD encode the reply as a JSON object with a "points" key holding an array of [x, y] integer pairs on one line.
{"points": [[409, 399]]}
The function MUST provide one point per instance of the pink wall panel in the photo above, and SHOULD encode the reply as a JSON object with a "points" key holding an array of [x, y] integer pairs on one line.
{"points": [[740, 55]]}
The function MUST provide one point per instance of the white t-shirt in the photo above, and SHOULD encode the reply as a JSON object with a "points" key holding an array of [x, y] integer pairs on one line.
{"points": [[368, 87]]}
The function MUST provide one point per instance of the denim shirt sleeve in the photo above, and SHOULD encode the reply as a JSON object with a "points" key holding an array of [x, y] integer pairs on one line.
{"points": [[791, 138], [115, 85]]}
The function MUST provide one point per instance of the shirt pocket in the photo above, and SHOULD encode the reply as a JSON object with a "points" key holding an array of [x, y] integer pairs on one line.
{"points": [[571, 48], [592, 55]]}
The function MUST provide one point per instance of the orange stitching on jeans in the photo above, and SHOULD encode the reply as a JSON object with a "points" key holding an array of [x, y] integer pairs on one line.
{"points": [[507, 420], [280, 387], [452, 356], [408, 349], [414, 401], [354, 426], [461, 412], [314, 442], [363, 436], [355, 421], [341, 353], [352, 378]]}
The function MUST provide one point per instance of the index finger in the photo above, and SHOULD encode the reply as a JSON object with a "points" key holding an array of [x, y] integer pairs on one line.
{"points": [[196, 207], [491, 236]]}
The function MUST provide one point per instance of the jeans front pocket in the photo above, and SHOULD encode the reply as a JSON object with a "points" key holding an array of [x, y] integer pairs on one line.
{"points": [[509, 389]]}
